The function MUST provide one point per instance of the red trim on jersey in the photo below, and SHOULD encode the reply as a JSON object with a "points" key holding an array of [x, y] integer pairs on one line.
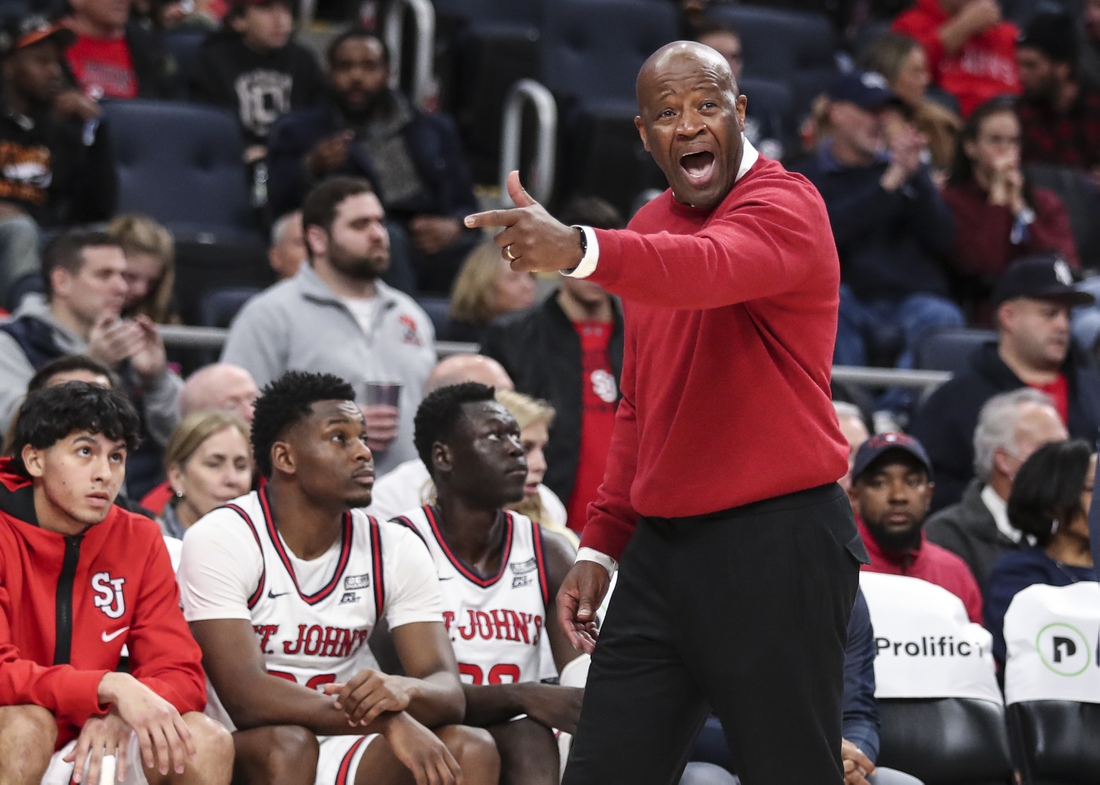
{"points": [[376, 555], [465, 571], [536, 539], [345, 553], [345, 765], [263, 567], [401, 519]]}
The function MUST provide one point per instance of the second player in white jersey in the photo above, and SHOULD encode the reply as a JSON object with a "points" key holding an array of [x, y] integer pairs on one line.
{"points": [[496, 624]]}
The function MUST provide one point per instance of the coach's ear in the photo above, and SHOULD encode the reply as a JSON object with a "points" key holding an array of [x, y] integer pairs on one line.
{"points": [[442, 458], [282, 458], [34, 459]]}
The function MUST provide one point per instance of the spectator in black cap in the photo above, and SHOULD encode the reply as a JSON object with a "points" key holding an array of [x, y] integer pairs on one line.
{"points": [[57, 167], [891, 227], [1033, 349], [891, 492], [1059, 114]]}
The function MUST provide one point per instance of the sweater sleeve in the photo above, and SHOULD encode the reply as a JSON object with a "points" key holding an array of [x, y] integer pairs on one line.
{"points": [[861, 720], [612, 518], [164, 656], [71, 695], [755, 251], [257, 341]]}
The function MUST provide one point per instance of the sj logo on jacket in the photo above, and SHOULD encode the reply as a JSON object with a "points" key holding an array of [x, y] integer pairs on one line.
{"points": [[108, 594]]}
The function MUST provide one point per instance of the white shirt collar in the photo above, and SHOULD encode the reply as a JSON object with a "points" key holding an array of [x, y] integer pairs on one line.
{"points": [[998, 508], [748, 157]]}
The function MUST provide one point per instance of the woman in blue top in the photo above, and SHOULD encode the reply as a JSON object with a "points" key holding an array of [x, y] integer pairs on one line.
{"points": [[1049, 503]]}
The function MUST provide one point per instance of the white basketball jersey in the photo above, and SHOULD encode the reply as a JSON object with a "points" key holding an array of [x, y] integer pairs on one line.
{"points": [[314, 639], [496, 624]]}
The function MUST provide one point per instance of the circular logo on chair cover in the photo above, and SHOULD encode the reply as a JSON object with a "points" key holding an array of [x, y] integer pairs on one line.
{"points": [[1064, 649]]}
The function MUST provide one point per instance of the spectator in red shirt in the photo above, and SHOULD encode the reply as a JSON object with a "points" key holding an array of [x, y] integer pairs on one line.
{"points": [[891, 494], [114, 57], [79, 579], [999, 215], [569, 351], [971, 50], [1059, 113]]}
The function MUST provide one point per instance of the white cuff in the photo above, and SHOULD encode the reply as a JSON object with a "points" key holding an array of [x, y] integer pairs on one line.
{"points": [[591, 255], [602, 559]]}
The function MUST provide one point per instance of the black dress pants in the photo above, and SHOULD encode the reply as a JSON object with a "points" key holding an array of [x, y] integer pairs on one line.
{"points": [[745, 611]]}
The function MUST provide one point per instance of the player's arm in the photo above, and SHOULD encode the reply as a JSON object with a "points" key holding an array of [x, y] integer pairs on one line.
{"points": [[549, 704]]}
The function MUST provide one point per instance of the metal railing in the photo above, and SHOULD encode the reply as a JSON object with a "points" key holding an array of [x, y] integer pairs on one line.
{"points": [[541, 183], [423, 87], [181, 337]]}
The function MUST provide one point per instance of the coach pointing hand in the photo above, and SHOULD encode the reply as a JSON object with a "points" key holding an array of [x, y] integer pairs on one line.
{"points": [[736, 549]]}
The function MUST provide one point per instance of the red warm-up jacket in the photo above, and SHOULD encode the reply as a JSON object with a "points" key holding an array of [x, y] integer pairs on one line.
{"points": [[69, 604], [730, 320], [983, 68]]}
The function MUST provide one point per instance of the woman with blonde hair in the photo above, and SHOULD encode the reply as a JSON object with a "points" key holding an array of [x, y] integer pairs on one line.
{"points": [[487, 287], [150, 267], [539, 502], [209, 462]]}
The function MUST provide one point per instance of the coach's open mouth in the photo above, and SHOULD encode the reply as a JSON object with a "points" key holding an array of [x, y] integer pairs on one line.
{"points": [[699, 166]]}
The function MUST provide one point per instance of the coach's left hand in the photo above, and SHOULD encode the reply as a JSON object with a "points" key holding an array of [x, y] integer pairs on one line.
{"points": [[857, 766], [533, 240], [100, 736]]}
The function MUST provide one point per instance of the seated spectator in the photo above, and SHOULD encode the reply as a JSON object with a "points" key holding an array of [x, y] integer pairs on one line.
{"points": [[81, 315], [539, 503], [471, 445], [855, 431], [970, 48], [336, 316], [413, 159], [1059, 113], [410, 485], [1000, 215], [1050, 502], [114, 56], [1011, 426], [891, 493], [150, 267], [209, 462], [487, 287], [252, 68], [64, 702], [341, 575], [891, 227], [1088, 42], [1033, 349], [288, 246], [905, 65], [568, 351], [58, 167]]}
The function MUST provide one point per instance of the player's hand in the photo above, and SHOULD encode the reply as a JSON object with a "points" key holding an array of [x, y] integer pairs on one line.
{"points": [[369, 693], [113, 339], [533, 240], [164, 737], [432, 233], [579, 598], [149, 358], [330, 154], [100, 736], [553, 706], [857, 766], [421, 752], [381, 423]]}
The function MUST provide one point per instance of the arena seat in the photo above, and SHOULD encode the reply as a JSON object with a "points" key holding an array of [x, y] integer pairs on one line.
{"points": [[592, 51], [1054, 742], [439, 311], [946, 741], [182, 46], [218, 306], [793, 47], [770, 106], [1079, 195], [182, 165], [950, 349]]}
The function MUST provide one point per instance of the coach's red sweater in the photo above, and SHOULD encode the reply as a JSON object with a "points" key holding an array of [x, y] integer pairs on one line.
{"points": [[123, 592], [730, 324]]}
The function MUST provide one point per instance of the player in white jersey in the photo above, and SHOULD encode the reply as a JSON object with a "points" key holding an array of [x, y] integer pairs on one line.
{"points": [[283, 587], [499, 573]]}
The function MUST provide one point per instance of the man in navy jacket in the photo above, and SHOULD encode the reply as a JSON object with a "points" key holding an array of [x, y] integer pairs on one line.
{"points": [[413, 160]]}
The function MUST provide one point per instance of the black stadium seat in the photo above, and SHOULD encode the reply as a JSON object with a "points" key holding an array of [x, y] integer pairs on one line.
{"points": [[182, 165], [950, 349], [218, 307], [771, 107], [182, 47], [1055, 742], [946, 741]]}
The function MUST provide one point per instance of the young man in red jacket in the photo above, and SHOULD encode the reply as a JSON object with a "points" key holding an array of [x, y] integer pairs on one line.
{"points": [[79, 579]]}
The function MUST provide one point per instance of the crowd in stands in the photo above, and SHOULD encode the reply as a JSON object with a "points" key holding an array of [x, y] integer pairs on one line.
{"points": [[932, 150]]}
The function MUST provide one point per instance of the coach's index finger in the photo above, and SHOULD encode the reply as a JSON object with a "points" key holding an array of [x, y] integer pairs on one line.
{"points": [[494, 218]]}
